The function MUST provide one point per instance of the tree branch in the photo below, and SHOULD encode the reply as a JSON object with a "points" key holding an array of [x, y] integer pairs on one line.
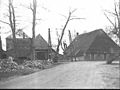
{"points": [[62, 46], [4, 22], [110, 12], [76, 18], [28, 7], [116, 12], [63, 16], [73, 11], [31, 7], [109, 20]]}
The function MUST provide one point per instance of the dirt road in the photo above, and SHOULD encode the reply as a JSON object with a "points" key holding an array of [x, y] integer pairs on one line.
{"points": [[84, 74]]}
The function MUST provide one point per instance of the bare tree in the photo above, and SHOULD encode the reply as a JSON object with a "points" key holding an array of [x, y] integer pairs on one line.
{"points": [[109, 32], [115, 24], [12, 23], [69, 18], [33, 8], [33, 27], [62, 43]]}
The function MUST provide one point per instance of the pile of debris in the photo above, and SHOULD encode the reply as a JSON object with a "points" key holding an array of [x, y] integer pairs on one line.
{"points": [[9, 68], [37, 64], [8, 65]]}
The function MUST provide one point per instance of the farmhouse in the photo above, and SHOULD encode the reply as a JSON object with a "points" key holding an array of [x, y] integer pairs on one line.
{"points": [[23, 48], [23, 45], [95, 45]]}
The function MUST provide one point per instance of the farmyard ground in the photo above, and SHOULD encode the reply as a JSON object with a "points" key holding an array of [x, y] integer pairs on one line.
{"points": [[82, 74]]}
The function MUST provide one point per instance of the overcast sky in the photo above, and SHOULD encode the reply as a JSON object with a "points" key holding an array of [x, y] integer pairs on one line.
{"points": [[51, 14]]}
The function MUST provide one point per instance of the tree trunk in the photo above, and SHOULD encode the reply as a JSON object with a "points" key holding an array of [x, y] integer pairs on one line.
{"points": [[12, 24], [57, 51], [112, 58], [33, 28], [119, 28]]}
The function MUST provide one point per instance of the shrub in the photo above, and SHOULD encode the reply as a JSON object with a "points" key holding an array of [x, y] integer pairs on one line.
{"points": [[34, 64]]}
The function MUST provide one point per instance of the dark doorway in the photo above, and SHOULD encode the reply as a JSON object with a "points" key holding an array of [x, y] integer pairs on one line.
{"points": [[41, 55]]}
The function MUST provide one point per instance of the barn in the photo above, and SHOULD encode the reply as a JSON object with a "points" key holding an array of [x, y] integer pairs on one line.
{"points": [[95, 45]]}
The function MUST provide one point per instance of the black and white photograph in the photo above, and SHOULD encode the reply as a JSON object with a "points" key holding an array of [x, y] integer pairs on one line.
{"points": [[59, 44]]}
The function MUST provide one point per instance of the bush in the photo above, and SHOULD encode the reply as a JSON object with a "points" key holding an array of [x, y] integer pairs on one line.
{"points": [[33, 64]]}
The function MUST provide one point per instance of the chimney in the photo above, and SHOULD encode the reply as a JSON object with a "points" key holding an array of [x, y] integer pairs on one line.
{"points": [[70, 37], [49, 37]]}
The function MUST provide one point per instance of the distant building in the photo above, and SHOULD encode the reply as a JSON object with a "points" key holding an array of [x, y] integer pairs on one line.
{"points": [[23, 48], [95, 45], [23, 45]]}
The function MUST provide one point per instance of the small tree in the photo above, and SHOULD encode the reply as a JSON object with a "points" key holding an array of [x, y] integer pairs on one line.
{"points": [[115, 24], [69, 18], [33, 8]]}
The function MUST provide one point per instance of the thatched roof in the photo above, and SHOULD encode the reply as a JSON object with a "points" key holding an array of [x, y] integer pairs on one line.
{"points": [[93, 42]]}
